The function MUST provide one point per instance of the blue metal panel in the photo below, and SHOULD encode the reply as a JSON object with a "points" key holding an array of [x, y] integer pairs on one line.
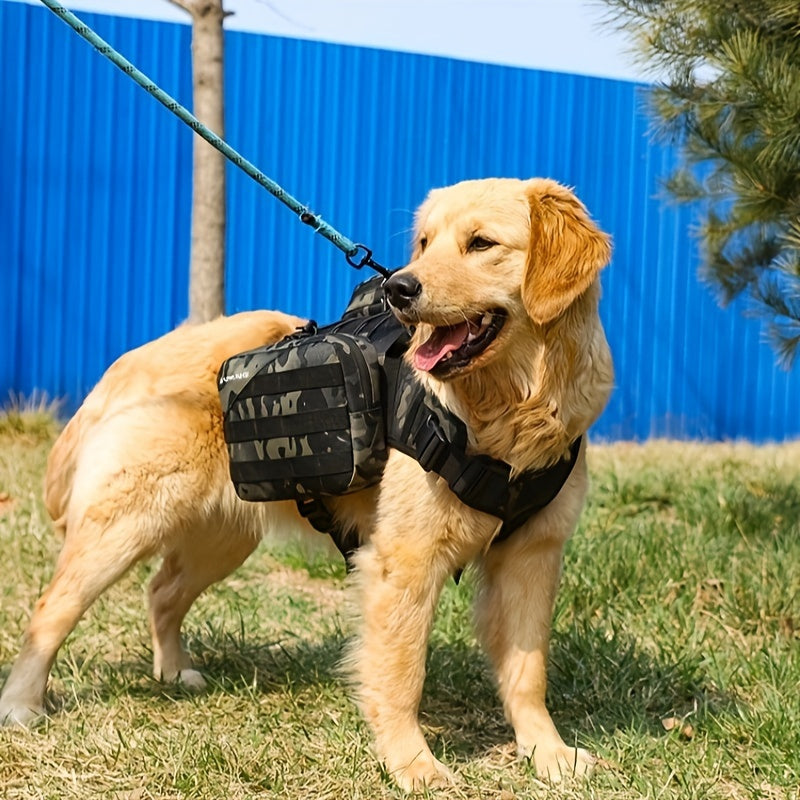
{"points": [[96, 197], [95, 205]]}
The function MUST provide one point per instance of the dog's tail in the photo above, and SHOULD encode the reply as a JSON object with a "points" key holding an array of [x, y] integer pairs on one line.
{"points": [[60, 469], [63, 459]]}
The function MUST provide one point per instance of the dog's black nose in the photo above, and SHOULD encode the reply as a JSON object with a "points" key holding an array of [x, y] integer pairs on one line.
{"points": [[401, 289]]}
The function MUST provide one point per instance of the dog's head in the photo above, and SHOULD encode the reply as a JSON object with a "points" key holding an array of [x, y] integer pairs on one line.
{"points": [[490, 256]]}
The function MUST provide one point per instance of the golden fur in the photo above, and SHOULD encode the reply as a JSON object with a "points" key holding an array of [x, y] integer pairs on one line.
{"points": [[141, 470]]}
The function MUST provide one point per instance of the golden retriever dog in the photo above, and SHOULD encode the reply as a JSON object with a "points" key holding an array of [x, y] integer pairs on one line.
{"points": [[502, 291]]}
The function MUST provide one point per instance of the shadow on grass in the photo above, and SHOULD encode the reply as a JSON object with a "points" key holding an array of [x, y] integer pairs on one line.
{"points": [[598, 683], [608, 681]]}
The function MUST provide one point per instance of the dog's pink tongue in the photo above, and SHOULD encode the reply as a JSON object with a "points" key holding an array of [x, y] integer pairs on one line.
{"points": [[442, 341]]}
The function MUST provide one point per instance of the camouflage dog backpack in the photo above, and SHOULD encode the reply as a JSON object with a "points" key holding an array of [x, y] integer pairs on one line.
{"points": [[304, 417]]}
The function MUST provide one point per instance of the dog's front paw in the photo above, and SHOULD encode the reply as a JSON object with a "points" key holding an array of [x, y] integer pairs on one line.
{"points": [[20, 715], [556, 763], [188, 678], [424, 772]]}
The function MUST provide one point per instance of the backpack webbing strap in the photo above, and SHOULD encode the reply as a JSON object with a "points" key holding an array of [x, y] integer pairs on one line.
{"points": [[531, 491], [483, 483], [415, 425], [479, 481], [321, 519]]}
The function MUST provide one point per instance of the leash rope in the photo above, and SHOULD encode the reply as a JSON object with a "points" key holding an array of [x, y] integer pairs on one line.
{"points": [[357, 255]]}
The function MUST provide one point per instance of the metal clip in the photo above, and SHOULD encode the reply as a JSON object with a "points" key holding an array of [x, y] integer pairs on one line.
{"points": [[366, 260]]}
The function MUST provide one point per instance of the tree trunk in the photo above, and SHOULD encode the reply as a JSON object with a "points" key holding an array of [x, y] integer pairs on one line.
{"points": [[207, 261]]}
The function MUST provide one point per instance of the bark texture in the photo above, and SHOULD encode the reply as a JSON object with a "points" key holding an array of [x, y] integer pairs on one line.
{"points": [[207, 264]]}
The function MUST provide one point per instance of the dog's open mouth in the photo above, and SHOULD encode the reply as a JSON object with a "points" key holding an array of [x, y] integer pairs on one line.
{"points": [[452, 347]]}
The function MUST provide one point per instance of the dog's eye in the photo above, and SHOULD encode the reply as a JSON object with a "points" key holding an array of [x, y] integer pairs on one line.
{"points": [[479, 243], [423, 243]]}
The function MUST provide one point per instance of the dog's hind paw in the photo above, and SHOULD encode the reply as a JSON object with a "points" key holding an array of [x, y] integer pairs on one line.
{"points": [[560, 763], [21, 716]]}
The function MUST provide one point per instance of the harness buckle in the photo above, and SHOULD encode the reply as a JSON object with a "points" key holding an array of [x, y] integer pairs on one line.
{"points": [[309, 329], [431, 445]]}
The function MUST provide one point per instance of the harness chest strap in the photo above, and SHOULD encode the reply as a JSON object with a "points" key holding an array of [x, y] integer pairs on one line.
{"points": [[415, 424], [484, 483], [478, 485]]}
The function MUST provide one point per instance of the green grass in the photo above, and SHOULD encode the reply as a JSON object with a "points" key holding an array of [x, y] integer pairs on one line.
{"points": [[34, 417], [680, 601]]}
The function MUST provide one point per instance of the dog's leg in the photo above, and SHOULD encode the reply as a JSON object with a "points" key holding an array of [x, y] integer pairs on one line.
{"points": [[202, 559], [515, 605], [399, 592], [95, 555]]}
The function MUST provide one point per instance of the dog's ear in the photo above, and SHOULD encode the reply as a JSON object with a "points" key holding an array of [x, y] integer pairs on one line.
{"points": [[567, 251]]}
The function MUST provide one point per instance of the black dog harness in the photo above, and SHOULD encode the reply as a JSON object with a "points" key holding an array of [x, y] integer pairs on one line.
{"points": [[411, 420]]}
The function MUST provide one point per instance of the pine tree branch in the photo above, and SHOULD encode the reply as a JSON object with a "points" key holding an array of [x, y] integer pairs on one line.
{"points": [[731, 103]]}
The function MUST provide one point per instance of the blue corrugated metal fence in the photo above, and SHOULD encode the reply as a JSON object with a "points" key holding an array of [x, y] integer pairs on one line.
{"points": [[96, 196]]}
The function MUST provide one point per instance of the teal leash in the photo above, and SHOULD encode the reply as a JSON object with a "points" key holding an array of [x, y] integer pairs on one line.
{"points": [[357, 255]]}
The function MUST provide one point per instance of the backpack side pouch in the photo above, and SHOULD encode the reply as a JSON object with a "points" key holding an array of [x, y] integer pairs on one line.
{"points": [[303, 417]]}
